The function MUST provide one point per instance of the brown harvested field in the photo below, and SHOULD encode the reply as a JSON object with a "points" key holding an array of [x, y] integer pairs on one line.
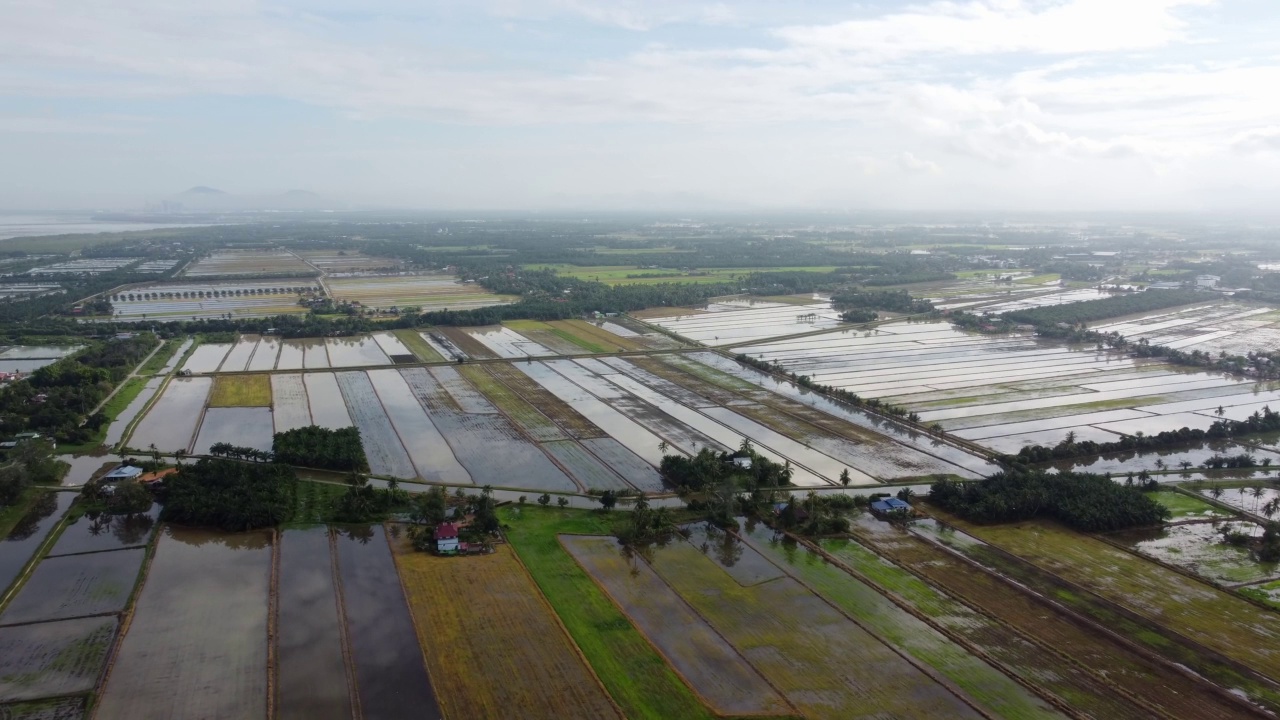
{"points": [[666, 371], [1214, 618], [521, 412], [718, 673], [553, 407], [492, 643], [466, 343], [1078, 662]]}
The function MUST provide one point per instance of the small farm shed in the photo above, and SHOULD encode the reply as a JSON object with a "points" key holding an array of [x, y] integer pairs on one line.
{"points": [[889, 505], [446, 537]]}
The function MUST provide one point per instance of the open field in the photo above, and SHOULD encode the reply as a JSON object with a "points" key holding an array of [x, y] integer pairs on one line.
{"points": [[481, 619], [247, 262], [190, 299], [75, 586], [49, 659], [1095, 671], [1185, 507], [431, 291], [241, 391], [633, 672], [1232, 327], [1198, 548], [418, 345], [312, 675], [197, 643], [59, 709], [390, 676], [711, 667]]}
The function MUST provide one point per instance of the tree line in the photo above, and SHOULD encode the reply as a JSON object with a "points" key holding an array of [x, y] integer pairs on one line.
{"points": [[229, 495], [1084, 501]]}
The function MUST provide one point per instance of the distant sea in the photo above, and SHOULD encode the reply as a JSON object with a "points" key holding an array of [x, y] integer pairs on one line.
{"points": [[23, 226]]}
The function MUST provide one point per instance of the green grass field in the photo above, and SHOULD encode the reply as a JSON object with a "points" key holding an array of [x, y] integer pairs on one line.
{"points": [[241, 391], [635, 675], [1184, 506], [417, 345]]}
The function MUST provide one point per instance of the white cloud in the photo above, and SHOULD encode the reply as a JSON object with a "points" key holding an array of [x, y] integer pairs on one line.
{"points": [[912, 164], [1265, 139]]}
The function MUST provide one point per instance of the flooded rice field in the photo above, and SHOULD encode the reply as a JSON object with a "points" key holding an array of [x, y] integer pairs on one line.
{"points": [[290, 408], [312, 673], [241, 426], [197, 644], [390, 676], [49, 659], [507, 343], [237, 359], [1008, 391], [20, 544], [712, 667], [171, 423], [207, 358], [589, 472], [95, 532], [356, 351], [1235, 328], [115, 431], [429, 452], [1200, 549], [387, 456], [726, 323], [265, 355], [328, 409], [75, 586]]}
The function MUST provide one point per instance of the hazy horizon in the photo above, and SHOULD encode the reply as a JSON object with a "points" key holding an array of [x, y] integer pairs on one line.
{"points": [[1053, 106]]}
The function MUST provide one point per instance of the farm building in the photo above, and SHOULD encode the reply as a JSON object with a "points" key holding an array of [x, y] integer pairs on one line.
{"points": [[889, 505], [124, 472], [446, 537]]}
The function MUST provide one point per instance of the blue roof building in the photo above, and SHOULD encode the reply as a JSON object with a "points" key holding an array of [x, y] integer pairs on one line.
{"points": [[888, 505], [124, 472]]}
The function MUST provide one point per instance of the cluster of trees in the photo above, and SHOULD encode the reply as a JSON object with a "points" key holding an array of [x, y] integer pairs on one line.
{"points": [[709, 468], [318, 447], [29, 463], [1265, 420], [56, 399], [646, 525], [1084, 501], [1106, 308], [899, 301], [979, 323], [427, 510], [230, 495], [817, 514], [364, 503]]}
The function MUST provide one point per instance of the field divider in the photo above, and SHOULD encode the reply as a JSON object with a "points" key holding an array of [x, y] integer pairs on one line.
{"points": [[924, 668], [1035, 688], [658, 651], [273, 636], [353, 689], [126, 620], [1097, 627]]}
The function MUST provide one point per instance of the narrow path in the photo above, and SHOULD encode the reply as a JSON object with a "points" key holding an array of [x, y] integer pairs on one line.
{"points": [[132, 374]]}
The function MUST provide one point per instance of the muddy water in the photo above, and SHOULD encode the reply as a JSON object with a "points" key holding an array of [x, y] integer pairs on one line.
{"points": [[17, 548], [315, 354], [353, 352], [312, 672], [238, 358], [177, 355], [207, 357], [264, 356], [291, 355], [390, 674], [55, 658]]}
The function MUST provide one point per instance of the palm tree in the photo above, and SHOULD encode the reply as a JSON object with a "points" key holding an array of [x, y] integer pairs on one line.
{"points": [[1258, 492], [179, 455], [1216, 492]]}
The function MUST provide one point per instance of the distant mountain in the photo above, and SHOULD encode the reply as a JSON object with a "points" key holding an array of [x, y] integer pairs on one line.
{"points": [[203, 198]]}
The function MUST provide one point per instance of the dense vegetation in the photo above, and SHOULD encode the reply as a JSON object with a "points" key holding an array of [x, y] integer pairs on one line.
{"points": [[1084, 501], [899, 301], [318, 447], [230, 495], [1115, 306], [709, 469], [30, 462], [56, 398]]}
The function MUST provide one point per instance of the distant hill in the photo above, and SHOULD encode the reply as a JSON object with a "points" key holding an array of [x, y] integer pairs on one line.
{"points": [[203, 198]]}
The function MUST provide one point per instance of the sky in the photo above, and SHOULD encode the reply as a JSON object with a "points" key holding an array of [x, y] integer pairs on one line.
{"points": [[1041, 105]]}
